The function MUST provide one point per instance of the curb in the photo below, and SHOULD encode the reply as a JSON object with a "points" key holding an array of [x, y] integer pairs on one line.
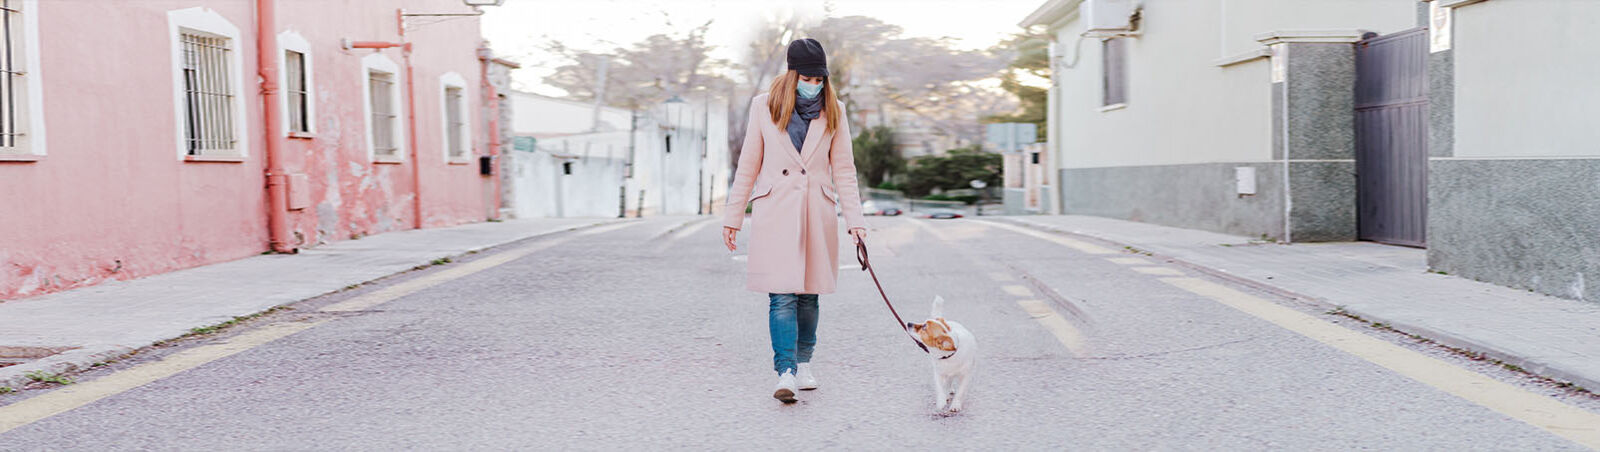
{"points": [[1465, 344], [87, 356]]}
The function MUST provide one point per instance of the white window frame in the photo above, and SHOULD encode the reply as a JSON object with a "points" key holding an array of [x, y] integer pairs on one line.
{"points": [[1118, 81], [291, 41], [28, 101], [204, 20], [447, 81], [377, 62]]}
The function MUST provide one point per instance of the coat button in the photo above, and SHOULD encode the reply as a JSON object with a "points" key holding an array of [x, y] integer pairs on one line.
{"points": [[786, 172], [802, 172]]}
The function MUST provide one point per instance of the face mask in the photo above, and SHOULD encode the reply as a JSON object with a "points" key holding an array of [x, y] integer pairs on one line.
{"points": [[808, 90]]}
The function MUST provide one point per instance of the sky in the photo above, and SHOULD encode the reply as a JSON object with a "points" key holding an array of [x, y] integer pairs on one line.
{"points": [[519, 29]]}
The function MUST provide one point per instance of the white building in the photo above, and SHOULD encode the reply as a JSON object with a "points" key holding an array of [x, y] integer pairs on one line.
{"points": [[569, 160], [1462, 126]]}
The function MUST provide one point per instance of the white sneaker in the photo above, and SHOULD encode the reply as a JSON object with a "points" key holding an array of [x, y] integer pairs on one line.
{"points": [[804, 377], [785, 390]]}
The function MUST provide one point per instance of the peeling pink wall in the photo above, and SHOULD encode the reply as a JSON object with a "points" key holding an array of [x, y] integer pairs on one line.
{"points": [[111, 200]]}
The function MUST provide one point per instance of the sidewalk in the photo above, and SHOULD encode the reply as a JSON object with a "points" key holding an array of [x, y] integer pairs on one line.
{"points": [[109, 320], [1548, 336]]}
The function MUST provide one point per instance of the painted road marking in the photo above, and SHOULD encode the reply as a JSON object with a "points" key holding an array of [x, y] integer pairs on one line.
{"points": [[384, 295], [71, 397], [997, 276], [1128, 260], [1564, 420], [1069, 243], [607, 228], [1058, 326], [1159, 271], [1020, 291], [692, 228]]}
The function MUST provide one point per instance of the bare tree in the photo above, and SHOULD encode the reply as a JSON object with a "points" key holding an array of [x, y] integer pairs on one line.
{"points": [[644, 73]]}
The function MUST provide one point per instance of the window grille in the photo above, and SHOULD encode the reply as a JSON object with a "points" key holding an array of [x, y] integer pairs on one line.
{"points": [[383, 113], [208, 93], [453, 122], [295, 89], [1114, 71], [8, 83]]}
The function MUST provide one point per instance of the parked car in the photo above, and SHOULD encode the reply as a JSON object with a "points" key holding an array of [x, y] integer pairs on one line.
{"points": [[940, 213], [878, 207]]}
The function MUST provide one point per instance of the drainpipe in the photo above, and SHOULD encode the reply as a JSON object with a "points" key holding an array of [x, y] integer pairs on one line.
{"points": [[277, 177], [411, 113], [493, 98]]}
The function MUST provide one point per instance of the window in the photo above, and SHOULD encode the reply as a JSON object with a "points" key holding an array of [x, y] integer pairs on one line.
{"points": [[381, 87], [21, 128], [208, 98], [381, 104], [454, 124], [207, 83], [456, 136], [295, 85], [1114, 71], [294, 71]]}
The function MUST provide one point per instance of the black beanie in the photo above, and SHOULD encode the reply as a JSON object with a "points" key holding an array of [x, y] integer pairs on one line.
{"points": [[806, 57]]}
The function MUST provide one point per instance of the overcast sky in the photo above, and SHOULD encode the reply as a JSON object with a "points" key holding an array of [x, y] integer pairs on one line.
{"points": [[520, 28]]}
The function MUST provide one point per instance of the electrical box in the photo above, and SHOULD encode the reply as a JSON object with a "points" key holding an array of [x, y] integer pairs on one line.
{"points": [[1108, 15], [299, 191], [1244, 179]]}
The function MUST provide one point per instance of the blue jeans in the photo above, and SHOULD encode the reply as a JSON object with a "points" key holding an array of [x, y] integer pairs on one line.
{"points": [[792, 318]]}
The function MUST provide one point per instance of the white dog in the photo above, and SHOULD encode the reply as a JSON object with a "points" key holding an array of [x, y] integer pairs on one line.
{"points": [[955, 353]]}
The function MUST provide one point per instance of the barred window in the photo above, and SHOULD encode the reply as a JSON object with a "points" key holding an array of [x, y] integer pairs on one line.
{"points": [[381, 99], [295, 91], [208, 93], [454, 124], [1114, 71]]}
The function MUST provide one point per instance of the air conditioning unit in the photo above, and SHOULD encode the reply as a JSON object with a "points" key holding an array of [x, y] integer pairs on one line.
{"points": [[1109, 16]]}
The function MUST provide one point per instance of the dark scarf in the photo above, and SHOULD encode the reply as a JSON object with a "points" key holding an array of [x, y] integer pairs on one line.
{"points": [[805, 110]]}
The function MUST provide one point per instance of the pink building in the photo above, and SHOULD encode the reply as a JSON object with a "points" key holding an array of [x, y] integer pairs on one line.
{"points": [[134, 136]]}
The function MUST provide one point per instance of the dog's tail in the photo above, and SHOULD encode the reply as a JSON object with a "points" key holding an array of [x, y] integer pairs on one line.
{"points": [[938, 307]]}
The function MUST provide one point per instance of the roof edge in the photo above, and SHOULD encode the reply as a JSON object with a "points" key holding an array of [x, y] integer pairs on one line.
{"points": [[1050, 12]]}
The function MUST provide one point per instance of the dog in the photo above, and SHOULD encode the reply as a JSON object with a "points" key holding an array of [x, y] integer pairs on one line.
{"points": [[954, 353]]}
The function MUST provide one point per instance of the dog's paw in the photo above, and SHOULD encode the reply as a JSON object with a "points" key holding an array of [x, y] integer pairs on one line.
{"points": [[955, 407], [940, 404]]}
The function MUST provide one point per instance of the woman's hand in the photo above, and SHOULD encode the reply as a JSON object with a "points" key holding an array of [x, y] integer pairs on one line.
{"points": [[859, 233], [728, 236]]}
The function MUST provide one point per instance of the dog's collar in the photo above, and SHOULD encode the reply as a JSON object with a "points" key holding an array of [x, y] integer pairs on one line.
{"points": [[953, 353]]}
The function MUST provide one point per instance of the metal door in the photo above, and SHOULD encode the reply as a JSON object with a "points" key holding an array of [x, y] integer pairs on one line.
{"points": [[1391, 121]]}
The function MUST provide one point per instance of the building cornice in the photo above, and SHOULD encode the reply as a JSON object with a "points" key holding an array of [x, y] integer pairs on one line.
{"points": [[1314, 36]]}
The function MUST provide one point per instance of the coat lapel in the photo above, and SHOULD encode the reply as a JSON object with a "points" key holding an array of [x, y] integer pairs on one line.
{"points": [[814, 138]]}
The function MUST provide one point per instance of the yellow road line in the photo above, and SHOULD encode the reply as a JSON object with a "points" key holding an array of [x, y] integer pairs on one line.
{"points": [[1058, 326], [70, 397], [693, 227], [1069, 243], [1013, 289], [384, 295], [1564, 420], [1159, 271], [1128, 260]]}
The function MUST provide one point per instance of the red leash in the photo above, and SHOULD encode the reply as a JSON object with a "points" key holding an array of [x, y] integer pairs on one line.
{"points": [[866, 265]]}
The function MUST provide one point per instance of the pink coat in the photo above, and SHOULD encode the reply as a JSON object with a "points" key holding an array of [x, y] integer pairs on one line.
{"points": [[794, 236]]}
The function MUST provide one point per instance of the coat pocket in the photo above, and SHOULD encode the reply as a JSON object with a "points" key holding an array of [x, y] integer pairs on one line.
{"points": [[760, 192], [828, 192]]}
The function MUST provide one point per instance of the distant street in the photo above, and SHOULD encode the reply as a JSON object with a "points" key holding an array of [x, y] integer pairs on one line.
{"points": [[640, 334]]}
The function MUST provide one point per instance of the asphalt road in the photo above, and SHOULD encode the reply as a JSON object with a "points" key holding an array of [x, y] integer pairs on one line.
{"points": [[643, 336]]}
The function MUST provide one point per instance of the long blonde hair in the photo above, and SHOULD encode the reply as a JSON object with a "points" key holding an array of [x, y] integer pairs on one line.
{"points": [[780, 100]]}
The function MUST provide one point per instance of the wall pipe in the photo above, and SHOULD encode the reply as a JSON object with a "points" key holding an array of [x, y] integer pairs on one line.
{"points": [[277, 177], [492, 97]]}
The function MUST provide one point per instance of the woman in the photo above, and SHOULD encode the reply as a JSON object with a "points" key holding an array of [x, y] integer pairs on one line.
{"points": [[794, 168]]}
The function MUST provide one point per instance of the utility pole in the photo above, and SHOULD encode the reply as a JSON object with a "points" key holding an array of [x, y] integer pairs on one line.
{"points": [[705, 125]]}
